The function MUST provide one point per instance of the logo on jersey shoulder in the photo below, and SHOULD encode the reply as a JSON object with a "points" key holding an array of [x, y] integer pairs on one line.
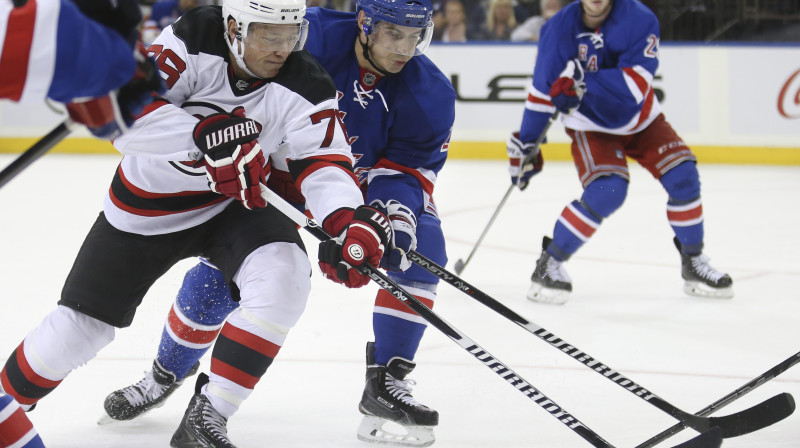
{"points": [[595, 38]]}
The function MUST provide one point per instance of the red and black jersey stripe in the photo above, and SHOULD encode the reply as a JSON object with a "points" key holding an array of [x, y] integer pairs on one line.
{"points": [[21, 382], [242, 357], [134, 200]]}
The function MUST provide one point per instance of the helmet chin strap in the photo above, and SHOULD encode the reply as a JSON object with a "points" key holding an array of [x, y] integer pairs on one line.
{"points": [[239, 57], [365, 51]]}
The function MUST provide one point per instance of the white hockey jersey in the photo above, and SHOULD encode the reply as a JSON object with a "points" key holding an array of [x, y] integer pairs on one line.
{"points": [[161, 187]]}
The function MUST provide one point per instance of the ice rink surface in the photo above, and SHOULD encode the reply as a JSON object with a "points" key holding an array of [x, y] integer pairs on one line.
{"points": [[627, 310]]}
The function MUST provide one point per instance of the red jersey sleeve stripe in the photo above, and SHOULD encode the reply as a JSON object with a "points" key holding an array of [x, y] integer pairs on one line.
{"points": [[16, 50], [320, 162]]}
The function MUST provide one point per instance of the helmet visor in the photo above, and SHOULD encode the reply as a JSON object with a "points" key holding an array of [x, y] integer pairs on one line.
{"points": [[402, 40], [276, 37]]}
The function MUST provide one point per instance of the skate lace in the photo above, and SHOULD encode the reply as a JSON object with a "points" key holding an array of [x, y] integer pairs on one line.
{"points": [[362, 96], [144, 391], [704, 270], [555, 270], [401, 390], [213, 422]]}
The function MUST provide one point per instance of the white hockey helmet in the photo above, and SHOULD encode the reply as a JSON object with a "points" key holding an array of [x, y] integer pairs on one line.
{"points": [[275, 12]]}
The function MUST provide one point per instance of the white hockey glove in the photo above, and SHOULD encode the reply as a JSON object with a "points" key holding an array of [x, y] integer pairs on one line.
{"points": [[524, 160], [404, 234]]}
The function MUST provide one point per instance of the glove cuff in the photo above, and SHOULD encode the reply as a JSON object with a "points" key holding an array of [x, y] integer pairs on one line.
{"points": [[336, 222]]}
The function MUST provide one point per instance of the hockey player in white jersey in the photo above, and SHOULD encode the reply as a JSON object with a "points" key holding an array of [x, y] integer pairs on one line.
{"points": [[399, 110], [189, 184]]}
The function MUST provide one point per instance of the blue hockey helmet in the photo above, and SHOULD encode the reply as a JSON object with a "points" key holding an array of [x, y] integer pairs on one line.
{"points": [[409, 13]]}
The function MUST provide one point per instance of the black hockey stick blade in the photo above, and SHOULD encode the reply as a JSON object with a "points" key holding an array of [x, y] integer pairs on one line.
{"points": [[757, 417], [750, 386], [459, 266], [709, 439]]}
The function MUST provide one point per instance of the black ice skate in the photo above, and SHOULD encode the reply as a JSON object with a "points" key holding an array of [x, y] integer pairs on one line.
{"points": [[700, 279], [149, 393], [387, 398], [202, 426], [550, 282]]}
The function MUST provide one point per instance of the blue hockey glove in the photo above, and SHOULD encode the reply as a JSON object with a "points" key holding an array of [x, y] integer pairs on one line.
{"points": [[567, 91], [524, 159], [404, 234]]}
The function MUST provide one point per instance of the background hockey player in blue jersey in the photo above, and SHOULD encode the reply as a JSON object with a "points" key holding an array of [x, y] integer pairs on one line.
{"points": [[399, 110], [595, 65], [65, 71], [103, 96]]}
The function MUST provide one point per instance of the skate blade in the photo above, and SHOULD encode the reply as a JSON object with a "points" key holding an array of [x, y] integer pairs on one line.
{"points": [[698, 289], [538, 293], [384, 432], [106, 420]]}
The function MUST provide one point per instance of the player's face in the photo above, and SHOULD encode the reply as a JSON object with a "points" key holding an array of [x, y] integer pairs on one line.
{"points": [[267, 46], [596, 8], [392, 46]]}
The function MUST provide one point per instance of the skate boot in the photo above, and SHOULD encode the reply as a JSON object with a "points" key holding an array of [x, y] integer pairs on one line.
{"points": [[700, 279], [149, 393], [202, 426], [550, 282], [387, 401]]}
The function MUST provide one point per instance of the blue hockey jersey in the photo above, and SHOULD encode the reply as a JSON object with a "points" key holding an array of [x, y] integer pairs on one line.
{"points": [[48, 48], [620, 59], [399, 126]]}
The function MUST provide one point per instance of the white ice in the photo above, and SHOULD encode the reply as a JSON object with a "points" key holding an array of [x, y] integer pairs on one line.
{"points": [[627, 310]]}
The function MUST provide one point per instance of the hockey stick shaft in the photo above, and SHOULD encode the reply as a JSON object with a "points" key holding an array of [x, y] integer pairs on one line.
{"points": [[727, 399], [461, 264], [36, 151], [733, 425], [451, 332]]}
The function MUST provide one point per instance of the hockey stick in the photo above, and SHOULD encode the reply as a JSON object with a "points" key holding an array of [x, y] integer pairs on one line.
{"points": [[38, 149], [752, 419], [461, 264], [710, 439], [727, 399]]}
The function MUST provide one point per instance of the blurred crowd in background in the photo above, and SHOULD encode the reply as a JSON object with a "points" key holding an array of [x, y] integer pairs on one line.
{"points": [[521, 20]]}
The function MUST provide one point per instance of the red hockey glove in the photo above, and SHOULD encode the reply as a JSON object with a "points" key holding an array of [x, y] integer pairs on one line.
{"points": [[567, 91], [362, 235], [110, 116], [525, 160], [235, 165]]}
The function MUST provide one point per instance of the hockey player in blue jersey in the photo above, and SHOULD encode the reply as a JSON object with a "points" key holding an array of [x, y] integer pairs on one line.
{"points": [[398, 109], [65, 71], [82, 53], [595, 65]]}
